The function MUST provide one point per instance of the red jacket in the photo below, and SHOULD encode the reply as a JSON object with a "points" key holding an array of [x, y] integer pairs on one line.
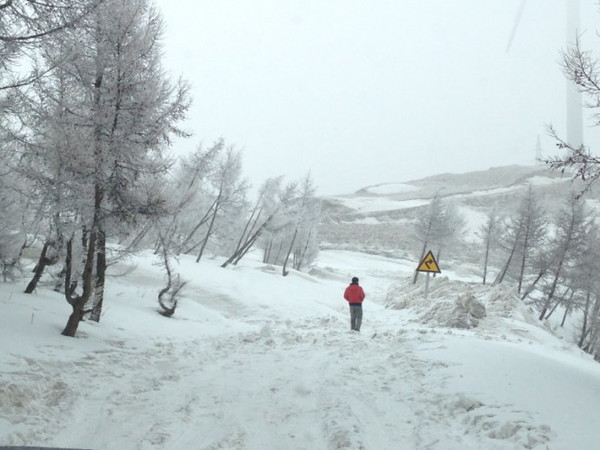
{"points": [[354, 294]]}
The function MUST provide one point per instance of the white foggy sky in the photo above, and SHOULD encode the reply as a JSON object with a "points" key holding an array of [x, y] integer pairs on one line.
{"points": [[362, 92]]}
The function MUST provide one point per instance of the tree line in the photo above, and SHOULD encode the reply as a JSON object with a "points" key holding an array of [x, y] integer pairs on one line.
{"points": [[87, 116], [552, 259]]}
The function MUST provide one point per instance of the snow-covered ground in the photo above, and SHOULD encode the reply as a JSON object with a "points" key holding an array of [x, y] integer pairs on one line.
{"points": [[255, 360]]}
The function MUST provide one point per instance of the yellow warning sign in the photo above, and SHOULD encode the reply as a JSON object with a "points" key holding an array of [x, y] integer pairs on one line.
{"points": [[429, 264]]}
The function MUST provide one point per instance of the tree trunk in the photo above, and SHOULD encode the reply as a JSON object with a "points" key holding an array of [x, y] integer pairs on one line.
{"points": [[530, 288], [267, 251], [247, 245], [100, 277], [73, 322], [557, 303], [210, 229], [39, 269], [550, 296], [586, 311], [78, 302], [285, 261], [485, 262], [567, 309], [523, 261], [299, 261], [500, 278]]}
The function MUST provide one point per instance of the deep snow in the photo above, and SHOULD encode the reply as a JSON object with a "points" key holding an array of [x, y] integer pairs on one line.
{"points": [[255, 360]]}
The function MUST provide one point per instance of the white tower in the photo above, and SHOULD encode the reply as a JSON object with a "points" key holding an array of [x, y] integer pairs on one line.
{"points": [[574, 104], [574, 113]]}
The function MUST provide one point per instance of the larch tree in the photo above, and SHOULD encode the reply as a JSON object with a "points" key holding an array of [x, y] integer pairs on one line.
{"points": [[120, 114], [437, 226], [572, 230], [228, 187], [584, 277], [24, 26], [581, 67], [307, 248], [489, 232], [259, 218], [509, 241], [532, 217], [305, 221], [190, 198]]}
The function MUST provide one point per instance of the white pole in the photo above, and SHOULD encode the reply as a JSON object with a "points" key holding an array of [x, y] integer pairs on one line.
{"points": [[574, 103]]}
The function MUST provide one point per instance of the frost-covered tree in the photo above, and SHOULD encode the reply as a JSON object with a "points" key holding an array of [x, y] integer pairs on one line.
{"points": [[306, 247], [24, 27], [523, 234], [228, 188], [206, 194], [489, 233], [581, 280], [260, 217], [278, 233], [189, 201], [291, 235], [534, 231], [437, 226], [117, 117], [526, 230], [572, 230], [24, 24], [581, 67]]}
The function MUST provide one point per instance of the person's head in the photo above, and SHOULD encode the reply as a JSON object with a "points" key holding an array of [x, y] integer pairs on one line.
{"points": [[354, 280]]}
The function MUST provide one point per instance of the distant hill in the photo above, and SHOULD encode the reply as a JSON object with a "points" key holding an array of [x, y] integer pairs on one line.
{"points": [[379, 218]]}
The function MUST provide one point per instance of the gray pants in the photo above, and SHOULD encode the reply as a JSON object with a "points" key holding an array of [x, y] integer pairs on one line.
{"points": [[355, 316]]}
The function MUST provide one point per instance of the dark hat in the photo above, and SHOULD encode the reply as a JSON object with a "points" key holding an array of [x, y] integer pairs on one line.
{"points": [[355, 280]]}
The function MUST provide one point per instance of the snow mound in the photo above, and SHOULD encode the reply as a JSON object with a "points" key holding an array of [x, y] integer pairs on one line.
{"points": [[455, 304]]}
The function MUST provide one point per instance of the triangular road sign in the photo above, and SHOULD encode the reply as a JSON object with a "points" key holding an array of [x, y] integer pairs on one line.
{"points": [[429, 264]]}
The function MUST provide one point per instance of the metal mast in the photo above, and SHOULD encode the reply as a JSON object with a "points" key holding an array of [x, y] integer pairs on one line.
{"points": [[574, 103]]}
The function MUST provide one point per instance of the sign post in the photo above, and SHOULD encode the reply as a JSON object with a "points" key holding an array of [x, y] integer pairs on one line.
{"points": [[429, 265]]}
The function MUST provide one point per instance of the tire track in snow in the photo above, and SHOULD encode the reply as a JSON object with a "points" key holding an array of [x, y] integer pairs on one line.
{"points": [[288, 385]]}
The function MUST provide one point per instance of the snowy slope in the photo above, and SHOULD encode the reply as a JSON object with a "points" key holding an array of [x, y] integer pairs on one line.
{"points": [[381, 218], [253, 360]]}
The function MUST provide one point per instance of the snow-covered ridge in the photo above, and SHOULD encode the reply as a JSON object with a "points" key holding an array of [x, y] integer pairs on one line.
{"points": [[380, 216], [390, 188]]}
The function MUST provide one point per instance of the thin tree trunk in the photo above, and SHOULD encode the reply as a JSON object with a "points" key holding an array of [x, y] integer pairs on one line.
{"points": [[243, 248], [485, 262], [267, 252], [287, 256], [211, 225], [531, 287], [557, 304], [299, 261], [550, 296], [500, 278], [100, 277], [43, 261], [523, 261], [196, 228], [567, 309], [586, 312]]}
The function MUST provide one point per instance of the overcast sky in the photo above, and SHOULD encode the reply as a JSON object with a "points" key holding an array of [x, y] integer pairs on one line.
{"points": [[362, 92]]}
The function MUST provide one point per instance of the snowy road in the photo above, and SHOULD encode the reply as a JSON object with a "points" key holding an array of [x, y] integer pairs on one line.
{"points": [[284, 372]]}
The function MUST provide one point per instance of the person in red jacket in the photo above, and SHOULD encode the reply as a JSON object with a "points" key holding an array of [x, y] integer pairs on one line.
{"points": [[355, 296]]}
